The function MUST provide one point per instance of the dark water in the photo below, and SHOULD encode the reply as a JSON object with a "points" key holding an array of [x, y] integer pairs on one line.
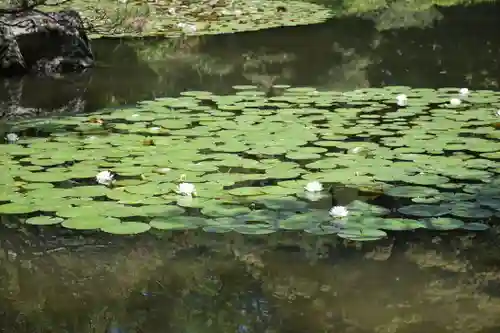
{"points": [[459, 50], [283, 283], [286, 282]]}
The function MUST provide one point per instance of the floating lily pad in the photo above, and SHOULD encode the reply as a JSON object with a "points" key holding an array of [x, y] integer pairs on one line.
{"points": [[470, 210], [254, 229], [411, 191], [443, 223], [177, 223], [475, 226], [424, 210], [89, 222], [246, 191], [361, 235], [44, 220], [17, 208], [323, 230], [400, 224], [220, 210], [217, 229], [126, 228]]}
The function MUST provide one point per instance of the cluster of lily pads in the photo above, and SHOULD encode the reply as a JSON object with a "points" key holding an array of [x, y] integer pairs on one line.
{"points": [[257, 164], [124, 18]]}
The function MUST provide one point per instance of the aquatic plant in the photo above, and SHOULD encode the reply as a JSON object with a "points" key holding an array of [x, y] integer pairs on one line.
{"points": [[252, 164]]}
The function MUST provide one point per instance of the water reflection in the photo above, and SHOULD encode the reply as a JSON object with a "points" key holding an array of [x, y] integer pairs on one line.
{"points": [[342, 54], [287, 282]]}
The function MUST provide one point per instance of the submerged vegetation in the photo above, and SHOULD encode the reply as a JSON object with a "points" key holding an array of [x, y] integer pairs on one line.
{"points": [[257, 164]]}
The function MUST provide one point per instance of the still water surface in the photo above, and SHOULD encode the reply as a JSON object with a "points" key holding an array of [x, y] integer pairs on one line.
{"points": [[459, 50], [287, 282]]}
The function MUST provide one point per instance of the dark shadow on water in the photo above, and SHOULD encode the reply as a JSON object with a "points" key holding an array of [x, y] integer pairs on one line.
{"points": [[286, 282], [460, 50]]}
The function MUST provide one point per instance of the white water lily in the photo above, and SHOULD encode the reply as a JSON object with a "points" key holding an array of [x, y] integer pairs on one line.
{"points": [[163, 170], [186, 189], [402, 100], [314, 186], [455, 101], [357, 150], [464, 92], [313, 196], [498, 113], [105, 178], [339, 211], [12, 137], [186, 27]]}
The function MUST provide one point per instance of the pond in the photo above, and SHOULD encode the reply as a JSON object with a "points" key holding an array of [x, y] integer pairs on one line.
{"points": [[337, 177]]}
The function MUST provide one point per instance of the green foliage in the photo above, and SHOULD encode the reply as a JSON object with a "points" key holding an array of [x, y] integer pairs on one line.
{"points": [[247, 159]]}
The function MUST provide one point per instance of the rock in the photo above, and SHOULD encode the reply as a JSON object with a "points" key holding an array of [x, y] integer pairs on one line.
{"points": [[47, 43]]}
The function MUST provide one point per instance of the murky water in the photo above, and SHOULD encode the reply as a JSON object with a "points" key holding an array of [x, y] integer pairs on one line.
{"points": [[286, 282], [283, 283]]}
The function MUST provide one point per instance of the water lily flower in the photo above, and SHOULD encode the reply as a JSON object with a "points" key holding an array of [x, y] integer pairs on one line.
{"points": [[314, 186], [12, 137], [313, 196], [105, 178], [357, 150], [464, 92], [186, 27], [172, 11], [163, 170], [186, 189], [498, 113], [455, 102], [402, 100], [339, 211]]}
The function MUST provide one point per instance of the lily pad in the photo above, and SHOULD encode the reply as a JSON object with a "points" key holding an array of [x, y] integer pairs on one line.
{"points": [[422, 210], [89, 222], [361, 235], [126, 228], [44, 220]]}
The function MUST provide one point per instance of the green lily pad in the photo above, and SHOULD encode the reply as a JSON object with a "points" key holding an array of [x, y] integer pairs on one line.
{"points": [[246, 191], [220, 210], [254, 229], [422, 210], [323, 230], [400, 224], [17, 208], [475, 226], [44, 220], [177, 223], [411, 191], [217, 229], [361, 235], [89, 222], [443, 223], [126, 228]]}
